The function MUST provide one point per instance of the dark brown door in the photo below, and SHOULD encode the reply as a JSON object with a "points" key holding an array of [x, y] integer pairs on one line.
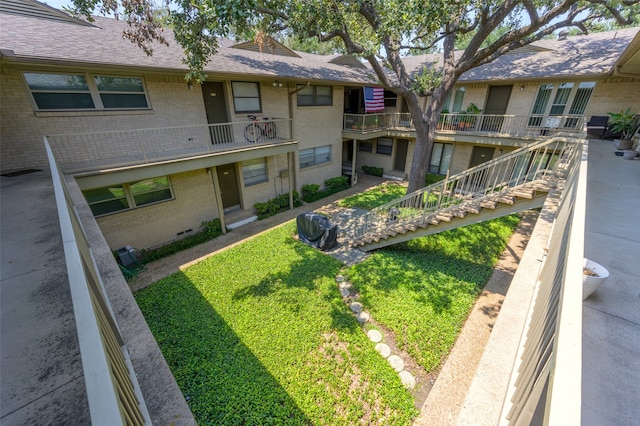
{"points": [[497, 102], [481, 154], [401, 154], [216, 109], [228, 186]]}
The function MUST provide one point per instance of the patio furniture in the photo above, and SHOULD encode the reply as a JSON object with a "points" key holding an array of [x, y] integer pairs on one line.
{"points": [[597, 125]]}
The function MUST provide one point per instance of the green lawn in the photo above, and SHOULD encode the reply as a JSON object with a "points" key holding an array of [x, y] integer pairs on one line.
{"points": [[259, 334]]}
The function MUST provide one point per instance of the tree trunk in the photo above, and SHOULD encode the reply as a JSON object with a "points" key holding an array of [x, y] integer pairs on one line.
{"points": [[425, 125]]}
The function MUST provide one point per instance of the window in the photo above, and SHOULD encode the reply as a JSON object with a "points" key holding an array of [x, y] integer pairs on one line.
{"points": [[365, 146], [83, 91], [384, 146], [390, 98], [458, 99], [441, 158], [246, 97], [312, 156], [552, 101], [315, 95], [115, 198], [121, 92], [254, 171]]}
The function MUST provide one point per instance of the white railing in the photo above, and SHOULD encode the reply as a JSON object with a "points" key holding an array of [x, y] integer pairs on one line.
{"points": [[92, 150], [490, 124], [549, 373], [535, 162], [113, 393]]}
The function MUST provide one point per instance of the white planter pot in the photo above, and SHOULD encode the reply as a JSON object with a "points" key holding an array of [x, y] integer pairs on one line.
{"points": [[591, 283]]}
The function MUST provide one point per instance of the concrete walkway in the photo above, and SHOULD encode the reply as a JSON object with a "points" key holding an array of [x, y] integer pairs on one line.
{"points": [[611, 315]]}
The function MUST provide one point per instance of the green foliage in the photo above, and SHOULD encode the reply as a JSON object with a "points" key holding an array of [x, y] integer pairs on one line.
{"points": [[624, 122], [259, 334], [276, 205], [210, 230], [433, 178], [423, 290], [372, 170], [375, 197], [311, 192], [427, 79]]}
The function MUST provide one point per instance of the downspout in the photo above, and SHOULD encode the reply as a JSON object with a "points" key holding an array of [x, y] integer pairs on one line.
{"points": [[354, 174]]}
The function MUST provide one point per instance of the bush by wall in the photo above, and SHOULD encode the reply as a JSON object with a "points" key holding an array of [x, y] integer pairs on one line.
{"points": [[210, 230], [312, 191], [372, 170], [276, 205], [433, 178]]}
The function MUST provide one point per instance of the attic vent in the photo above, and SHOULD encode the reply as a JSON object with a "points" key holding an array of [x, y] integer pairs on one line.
{"points": [[562, 35], [347, 60], [272, 47]]}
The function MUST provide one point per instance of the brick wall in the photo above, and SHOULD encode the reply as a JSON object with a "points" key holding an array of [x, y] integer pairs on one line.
{"points": [[157, 224]]}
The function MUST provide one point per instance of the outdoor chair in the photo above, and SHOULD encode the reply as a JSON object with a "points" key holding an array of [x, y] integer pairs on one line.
{"points": [[597, 125], [129, 260]]}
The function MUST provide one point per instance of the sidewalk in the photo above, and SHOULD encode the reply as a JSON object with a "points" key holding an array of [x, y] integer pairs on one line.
{"points": [[611, 315], [168, 265]]}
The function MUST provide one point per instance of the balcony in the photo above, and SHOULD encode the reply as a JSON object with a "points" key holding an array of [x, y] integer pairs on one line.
{"points": [[90, 151], [478, 124]]}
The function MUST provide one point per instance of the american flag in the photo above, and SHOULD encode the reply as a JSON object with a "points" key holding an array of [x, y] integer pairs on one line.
{"points": [[373, 99]]}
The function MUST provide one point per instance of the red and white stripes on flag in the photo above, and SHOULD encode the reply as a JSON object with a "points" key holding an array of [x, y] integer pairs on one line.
{"points": [[373, 99]]}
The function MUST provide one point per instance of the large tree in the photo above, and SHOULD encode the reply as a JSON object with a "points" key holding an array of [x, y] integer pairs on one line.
{"points": [[381, 32]]}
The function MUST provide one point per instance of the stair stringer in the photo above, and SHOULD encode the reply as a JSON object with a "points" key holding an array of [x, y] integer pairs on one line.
{"points": [[457, 222]]}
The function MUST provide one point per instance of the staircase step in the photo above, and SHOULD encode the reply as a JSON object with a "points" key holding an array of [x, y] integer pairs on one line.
{"points": [[433, 221], [472, 208], [488, 204], [459, 213], [506, 199], [524, 193], [444, 217]]}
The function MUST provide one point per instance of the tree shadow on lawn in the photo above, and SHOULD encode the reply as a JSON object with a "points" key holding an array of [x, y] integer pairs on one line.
{"points": [[304, 274], [221, 378]]}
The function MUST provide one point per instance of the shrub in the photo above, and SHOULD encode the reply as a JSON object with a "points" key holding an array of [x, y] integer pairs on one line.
{"points": [[433, 178], [310, 193], [372, 170], [276, 205], [210, 230]]}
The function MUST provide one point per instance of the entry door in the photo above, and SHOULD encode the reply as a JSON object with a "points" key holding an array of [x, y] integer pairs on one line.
{"points": [[228, 186], [401, 154], [480, 154], [497, 102], [216, 109]]}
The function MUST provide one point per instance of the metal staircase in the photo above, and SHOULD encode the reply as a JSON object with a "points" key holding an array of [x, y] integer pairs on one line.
{"points": [[514, 182]]}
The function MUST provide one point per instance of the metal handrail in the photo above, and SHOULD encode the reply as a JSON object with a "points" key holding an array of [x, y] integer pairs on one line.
{"points": [[90, 150], [536, 162]]}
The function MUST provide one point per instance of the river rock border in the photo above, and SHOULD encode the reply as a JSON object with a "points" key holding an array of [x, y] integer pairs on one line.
{"points": [[362, 316]]}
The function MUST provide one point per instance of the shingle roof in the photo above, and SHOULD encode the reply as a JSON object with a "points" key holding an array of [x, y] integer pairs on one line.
{"points": [[589, 55], [102, 44]]}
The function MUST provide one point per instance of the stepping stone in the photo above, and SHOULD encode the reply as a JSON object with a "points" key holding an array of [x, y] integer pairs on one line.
{"points": [[383, 349], [407, 379], [345, 284], [344, 292], [362, 316], [396, 362], [339, 278], [374, 335], [356, 307]]}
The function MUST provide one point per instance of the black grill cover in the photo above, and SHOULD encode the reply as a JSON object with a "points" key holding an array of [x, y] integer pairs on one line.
{"points": [[317, 231]]}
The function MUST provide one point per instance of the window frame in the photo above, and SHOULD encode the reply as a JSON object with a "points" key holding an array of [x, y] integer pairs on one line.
{"points": [[365, 146], [314, 95], [315, 155], [91, 89], [235, 96], [129, 196], [442, 155], [262, 161], [388, 149], [540, 115]]}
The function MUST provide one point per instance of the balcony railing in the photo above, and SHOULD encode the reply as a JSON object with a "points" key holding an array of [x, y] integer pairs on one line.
{"points": [[113, 393], [489, 124], [93, 150]]}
